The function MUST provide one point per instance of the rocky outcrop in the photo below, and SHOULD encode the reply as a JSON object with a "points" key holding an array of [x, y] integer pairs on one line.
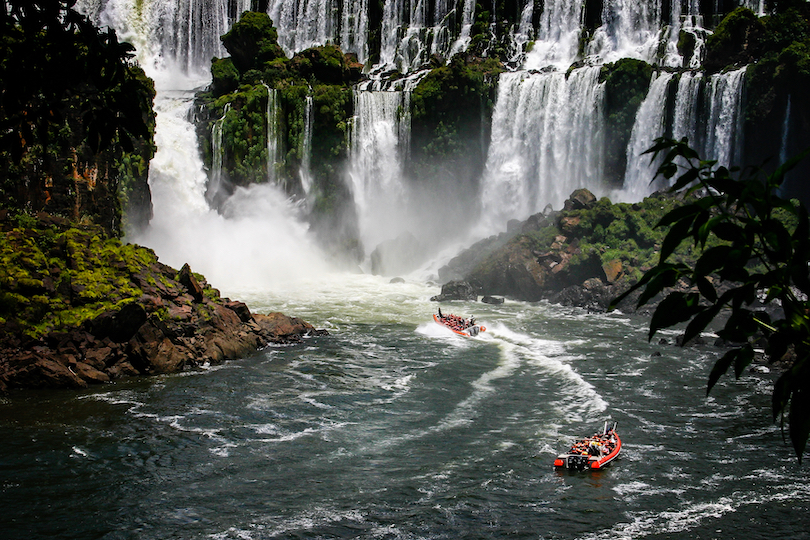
{"points": [[585, 255], [77, 309], [456, 290]]}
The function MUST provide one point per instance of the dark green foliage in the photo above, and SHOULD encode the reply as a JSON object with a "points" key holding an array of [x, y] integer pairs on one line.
{"points": [[626, 84], [224, 76], [54, 277], [323, 74], [759, 245], [743, 38], [734, 41], [252, 41], [74, 112], [326, 64]]}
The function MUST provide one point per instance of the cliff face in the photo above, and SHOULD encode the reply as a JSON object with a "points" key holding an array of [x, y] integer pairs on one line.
{"points": [[77, 307]]}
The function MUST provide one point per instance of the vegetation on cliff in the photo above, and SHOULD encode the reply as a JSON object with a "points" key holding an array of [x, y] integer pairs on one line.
{"points": [[626, 84], [588, 240], [451, 112], [310, 104], [76, 118], [776, 49]]}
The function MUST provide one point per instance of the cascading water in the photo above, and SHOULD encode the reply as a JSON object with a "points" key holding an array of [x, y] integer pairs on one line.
{"points": [[379, 139], [534, 158], [547, 133], [305, 172], [274, 148], [650, 124], [723, 136], [685, 122], [557, 35], [217, 180]]}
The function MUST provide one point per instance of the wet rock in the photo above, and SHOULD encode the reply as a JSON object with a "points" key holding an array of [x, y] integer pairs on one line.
{"points": [[456, 290], [187, 279]]}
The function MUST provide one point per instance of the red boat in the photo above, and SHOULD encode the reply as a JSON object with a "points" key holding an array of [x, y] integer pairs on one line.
{"points": [[595, 452], [459, 325]]}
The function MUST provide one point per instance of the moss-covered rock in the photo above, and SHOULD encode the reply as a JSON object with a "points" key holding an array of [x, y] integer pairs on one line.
{"points": [[78, 307], [601, 246], [451, 112], [252, 41]]}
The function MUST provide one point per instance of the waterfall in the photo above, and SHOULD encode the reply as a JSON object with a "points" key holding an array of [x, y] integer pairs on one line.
{"points": [[182, 33], [557, 40], [723, 135], [629, 29], [217, 182], [650, 124], [274, 141], [547, 135], [377, 152], [685, 121], [783, 148], [306, 148]]}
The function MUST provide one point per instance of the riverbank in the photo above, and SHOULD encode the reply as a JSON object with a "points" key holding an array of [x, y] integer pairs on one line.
{"points": [[79, 308]]}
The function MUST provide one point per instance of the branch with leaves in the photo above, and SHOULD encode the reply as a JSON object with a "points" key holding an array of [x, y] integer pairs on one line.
{"points": [[756, 242]]}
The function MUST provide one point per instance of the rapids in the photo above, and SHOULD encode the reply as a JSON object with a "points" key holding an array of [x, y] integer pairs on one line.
{"points": [[393, 427]]}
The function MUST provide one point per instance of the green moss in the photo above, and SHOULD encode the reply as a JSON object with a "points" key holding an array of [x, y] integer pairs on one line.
{"points": [[53, 279]]}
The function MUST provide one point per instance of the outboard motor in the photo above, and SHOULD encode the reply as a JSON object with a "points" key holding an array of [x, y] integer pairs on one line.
{"points": [[577, 463]]}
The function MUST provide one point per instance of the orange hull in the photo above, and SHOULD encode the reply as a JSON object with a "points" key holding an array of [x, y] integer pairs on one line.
{"points": [[580, 461], [470, 331]]}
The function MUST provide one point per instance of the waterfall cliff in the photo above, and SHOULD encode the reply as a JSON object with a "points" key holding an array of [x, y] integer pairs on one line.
{"points": [[557, 118]]}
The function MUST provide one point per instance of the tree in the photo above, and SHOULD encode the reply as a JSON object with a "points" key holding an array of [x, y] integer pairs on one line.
{"points": [[760, 246], [53, 59]]}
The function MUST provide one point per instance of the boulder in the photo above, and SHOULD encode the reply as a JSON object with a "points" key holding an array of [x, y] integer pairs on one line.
{"points": [[119, 325], [187, 279], [456, 290], [580, 199]]}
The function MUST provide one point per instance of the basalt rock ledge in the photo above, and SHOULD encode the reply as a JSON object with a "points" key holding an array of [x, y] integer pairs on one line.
{"points": [[78, 308]]}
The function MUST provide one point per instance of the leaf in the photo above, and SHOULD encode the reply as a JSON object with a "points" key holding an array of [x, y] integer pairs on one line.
{"points": [[685, 179], [699, 323], [712, 259], [779, 174], [781, 394], [777, 240], [676, 308], [743, 360], [721, 366], [706, 289], [677, 234]]}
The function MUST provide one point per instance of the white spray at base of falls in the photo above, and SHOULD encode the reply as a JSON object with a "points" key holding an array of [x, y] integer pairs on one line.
{"points": [[379, 146], [547, 135], [305, 171], [259, 239]]}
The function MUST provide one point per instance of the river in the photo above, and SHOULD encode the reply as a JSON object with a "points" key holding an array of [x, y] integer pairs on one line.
{"points": [[392, 427]]}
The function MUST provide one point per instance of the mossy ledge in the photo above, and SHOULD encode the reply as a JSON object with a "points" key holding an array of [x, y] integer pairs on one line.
{"points": [[78, 307]]}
